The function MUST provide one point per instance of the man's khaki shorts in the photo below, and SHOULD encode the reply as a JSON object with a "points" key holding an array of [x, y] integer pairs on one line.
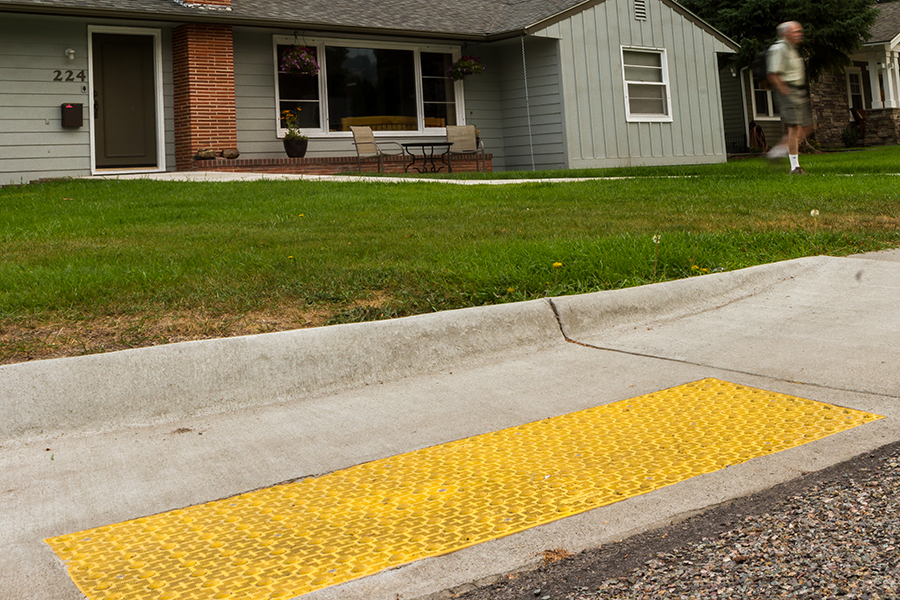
{"points": [[794, 107]]}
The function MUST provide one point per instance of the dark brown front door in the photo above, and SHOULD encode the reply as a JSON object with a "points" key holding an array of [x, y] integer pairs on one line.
{"points": [[124, 101]]}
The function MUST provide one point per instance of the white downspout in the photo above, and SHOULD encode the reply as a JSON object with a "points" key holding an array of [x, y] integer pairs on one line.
{"points": [[527, 105], [744, 111]]}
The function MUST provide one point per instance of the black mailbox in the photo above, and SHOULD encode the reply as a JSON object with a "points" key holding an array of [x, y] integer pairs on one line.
{"points": [[72, 115]]}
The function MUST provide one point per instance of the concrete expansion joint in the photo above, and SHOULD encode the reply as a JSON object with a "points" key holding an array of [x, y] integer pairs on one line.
{"points": [[562, 328]]}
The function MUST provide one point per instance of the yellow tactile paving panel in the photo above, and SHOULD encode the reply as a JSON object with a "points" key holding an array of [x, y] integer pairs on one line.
{"points": [[291, 539]]}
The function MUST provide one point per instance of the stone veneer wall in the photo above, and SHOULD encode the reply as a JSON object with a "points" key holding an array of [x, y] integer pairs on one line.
{"points": [[831, 111], [882, 127]]}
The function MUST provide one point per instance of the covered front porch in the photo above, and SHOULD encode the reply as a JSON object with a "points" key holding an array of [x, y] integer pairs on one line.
{"points": [[865, 98]]}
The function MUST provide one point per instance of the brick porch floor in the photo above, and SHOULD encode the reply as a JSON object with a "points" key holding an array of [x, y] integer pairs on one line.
{"points": [[326, 165]]}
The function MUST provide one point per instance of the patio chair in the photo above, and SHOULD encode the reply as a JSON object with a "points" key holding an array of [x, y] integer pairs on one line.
{"points": [[465, 141], [366, 147]]}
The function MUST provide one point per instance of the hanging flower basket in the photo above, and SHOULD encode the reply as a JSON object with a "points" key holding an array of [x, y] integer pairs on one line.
{"points": [[299, 60], [466, 65]]}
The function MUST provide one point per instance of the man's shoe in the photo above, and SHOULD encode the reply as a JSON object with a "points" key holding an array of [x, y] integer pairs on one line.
{"points": [[799, 171]]}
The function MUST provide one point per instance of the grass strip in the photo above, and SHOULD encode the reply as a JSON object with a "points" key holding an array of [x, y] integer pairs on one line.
{"points": [[81, 253]]}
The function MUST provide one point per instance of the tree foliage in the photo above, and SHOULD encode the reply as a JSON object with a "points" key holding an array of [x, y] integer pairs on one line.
{"points": [[834, 28]]}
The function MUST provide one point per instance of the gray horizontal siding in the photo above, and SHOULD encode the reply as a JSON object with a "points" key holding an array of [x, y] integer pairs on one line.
{"points": [[483, 105], [33, 143], [254, 91], [533, 122]]}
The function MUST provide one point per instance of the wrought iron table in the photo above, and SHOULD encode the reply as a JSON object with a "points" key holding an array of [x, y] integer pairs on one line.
{"points": [[427, 155]]}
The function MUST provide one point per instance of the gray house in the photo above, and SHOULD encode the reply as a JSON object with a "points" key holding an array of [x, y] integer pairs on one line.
{"points": [[97, 86]]}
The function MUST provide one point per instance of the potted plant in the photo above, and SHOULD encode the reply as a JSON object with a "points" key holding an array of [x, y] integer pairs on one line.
{"points": [[295, 143], [299, 60], [466, 65]]}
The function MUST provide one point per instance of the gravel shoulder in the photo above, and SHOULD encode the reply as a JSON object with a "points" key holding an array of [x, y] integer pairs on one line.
{"points": [[833, 533]]}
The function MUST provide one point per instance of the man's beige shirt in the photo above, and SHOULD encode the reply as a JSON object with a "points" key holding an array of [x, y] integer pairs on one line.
{"points": [[784, 59]]}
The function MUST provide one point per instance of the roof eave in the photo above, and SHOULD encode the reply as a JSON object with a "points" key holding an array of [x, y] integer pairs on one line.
{"points": [[891, 43], [226, 18], [223, 17], [109, 13], [562, 16]]}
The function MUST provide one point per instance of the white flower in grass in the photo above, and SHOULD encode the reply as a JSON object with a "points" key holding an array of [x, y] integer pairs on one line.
{"points": [[656, 239], [814, 212]]}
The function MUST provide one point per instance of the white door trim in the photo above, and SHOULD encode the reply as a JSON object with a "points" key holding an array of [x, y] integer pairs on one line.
{"points": [[158, 89]]}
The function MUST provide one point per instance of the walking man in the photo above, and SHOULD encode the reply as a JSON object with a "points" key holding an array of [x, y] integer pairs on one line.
{"points": [[787, 78]]}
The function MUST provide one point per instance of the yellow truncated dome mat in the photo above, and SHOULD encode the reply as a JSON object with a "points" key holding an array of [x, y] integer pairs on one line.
{"points": [[290, 539]]}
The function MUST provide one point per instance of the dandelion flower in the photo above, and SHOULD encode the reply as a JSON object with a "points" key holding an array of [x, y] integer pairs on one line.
{"points": [[655, 239], [510, 290], [557, 265], [814, 212]]}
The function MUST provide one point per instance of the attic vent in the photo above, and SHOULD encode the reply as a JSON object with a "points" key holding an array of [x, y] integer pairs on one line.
{"points": [[640, 10]]}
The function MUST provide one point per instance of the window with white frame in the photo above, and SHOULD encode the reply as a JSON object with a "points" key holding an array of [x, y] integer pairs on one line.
{"points": [[855, 89], [646, 76], [387, 87], [763, 102]]}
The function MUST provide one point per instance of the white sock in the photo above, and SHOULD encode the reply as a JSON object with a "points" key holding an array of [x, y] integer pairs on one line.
{"points": [[795, 161]]}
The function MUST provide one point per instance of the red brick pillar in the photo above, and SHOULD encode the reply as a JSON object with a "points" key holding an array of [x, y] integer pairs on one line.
{"points": [[203, 72]]}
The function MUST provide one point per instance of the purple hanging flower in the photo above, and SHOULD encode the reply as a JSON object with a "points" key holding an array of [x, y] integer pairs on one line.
{"points": [[466, 65], [299, 60]]}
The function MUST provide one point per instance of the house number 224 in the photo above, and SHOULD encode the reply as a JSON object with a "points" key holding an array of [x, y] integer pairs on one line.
{"points": [[69, 75]]}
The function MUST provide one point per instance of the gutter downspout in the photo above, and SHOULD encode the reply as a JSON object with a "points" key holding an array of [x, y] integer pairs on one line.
{"points": [[527, 105], [744, 105]]}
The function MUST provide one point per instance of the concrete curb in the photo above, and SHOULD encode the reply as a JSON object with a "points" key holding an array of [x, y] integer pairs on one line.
{"points": [[168, 382], [586, 314]]}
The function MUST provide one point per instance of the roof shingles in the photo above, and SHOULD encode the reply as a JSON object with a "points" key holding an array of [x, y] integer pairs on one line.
{"points": [[887, 27], [448, 17]]}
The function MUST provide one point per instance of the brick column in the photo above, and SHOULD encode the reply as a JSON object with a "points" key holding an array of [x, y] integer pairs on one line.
{"points": [[203, 72]]}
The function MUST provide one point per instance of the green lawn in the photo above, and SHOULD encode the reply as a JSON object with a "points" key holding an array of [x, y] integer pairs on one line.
{"points": [[93, 265]]}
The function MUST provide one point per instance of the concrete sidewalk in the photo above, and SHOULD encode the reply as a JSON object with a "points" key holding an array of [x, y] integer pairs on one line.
{"points": [[101, 439], [226, 176]]}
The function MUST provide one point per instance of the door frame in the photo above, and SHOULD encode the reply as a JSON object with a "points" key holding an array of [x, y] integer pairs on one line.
{"points": [[159, 117]]}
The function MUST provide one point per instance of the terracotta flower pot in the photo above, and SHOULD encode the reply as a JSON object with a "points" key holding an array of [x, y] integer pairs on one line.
{"points": [[295, 147]]}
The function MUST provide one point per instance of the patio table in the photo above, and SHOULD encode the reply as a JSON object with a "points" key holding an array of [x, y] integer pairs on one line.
{"points": [[426, 153]]}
